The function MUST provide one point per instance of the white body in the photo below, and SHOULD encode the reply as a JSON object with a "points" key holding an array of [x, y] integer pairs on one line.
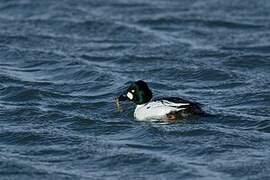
{"points": [[156, 110]]}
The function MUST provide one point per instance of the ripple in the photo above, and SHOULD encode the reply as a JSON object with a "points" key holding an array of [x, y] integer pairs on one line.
{"points": [[261, 49], [22, 94], [61, 66], [263, 126], [167, 20], [248, 61]]}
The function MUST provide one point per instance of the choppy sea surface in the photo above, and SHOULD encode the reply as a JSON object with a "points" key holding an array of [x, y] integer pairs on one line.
{"points": [[63, 62]]}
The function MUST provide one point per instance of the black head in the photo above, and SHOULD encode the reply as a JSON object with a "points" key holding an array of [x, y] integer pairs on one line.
{"points": [[138, 92]]}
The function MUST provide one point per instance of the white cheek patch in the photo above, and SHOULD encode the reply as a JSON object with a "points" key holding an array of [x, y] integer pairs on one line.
{"points": [[130, 95]]}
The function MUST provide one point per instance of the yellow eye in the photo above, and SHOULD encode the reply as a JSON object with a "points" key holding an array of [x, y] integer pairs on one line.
{"points": [[132, 90]]}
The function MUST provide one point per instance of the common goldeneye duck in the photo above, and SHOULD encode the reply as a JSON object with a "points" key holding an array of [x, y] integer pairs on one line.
{"points": [[168, 108]]}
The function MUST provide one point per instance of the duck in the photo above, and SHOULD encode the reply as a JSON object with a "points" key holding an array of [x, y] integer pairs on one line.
{"points": [[165, 108]]}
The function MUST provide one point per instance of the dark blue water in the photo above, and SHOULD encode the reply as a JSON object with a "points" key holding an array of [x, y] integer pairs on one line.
{"points": [[63, 62]]}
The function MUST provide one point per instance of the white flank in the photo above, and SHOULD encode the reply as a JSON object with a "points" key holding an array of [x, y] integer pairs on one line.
{"points": [[156, 110]]}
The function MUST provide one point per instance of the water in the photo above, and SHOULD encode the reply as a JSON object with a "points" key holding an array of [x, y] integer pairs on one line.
{"points": [[63, 62]]}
